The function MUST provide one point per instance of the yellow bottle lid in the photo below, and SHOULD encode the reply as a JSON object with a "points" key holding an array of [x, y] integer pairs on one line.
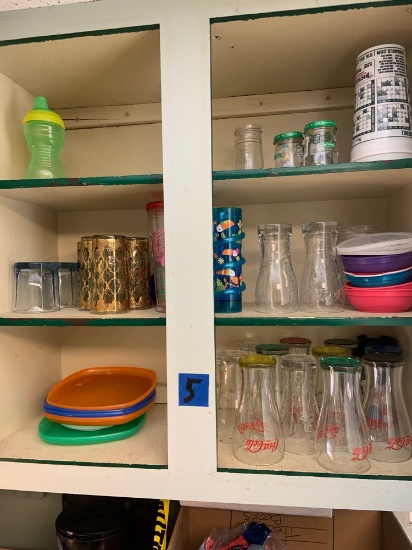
{"points": [[42, 113]]}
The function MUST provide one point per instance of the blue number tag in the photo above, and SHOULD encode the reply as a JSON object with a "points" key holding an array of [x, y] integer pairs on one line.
{"points": [[193, 390]]}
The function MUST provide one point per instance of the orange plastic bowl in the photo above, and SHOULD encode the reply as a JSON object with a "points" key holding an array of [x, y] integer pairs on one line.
{"points": [[111, 421], [103, 388]]}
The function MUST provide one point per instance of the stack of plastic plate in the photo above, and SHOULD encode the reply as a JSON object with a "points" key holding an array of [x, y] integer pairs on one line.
{"points": [[378, 268], [97, 404]]}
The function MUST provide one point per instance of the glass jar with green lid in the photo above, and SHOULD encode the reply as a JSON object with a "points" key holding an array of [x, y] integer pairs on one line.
{"points": [[288, 150], [320, 143]]}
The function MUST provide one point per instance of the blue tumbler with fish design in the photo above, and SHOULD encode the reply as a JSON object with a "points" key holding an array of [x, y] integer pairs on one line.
{"points": [[228, 259]]}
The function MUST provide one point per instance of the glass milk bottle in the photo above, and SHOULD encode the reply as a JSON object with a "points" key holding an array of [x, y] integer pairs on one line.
{"points": [[299, 411], [258, 437], [386, 415], [276, 285], [321, 288], [342, 436]]}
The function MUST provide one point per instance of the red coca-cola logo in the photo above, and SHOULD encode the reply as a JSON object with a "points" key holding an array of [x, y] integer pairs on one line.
{"points": [[255, 426], [257, 445], [376, 424], [360, 453], [398, 443], [329, 431]]}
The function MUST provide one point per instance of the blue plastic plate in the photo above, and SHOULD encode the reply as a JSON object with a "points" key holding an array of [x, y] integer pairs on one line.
{"points": [[380, 279]]}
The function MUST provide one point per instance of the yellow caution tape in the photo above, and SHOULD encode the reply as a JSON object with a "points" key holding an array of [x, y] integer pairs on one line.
{"points": [[159, 540]]}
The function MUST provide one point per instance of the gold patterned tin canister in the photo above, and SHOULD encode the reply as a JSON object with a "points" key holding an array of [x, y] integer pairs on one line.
{"points": [[85, 271], [139, 272], [110, 285]]}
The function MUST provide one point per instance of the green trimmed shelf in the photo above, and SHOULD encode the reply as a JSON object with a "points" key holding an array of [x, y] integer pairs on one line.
{"points": [[356, 180], [75, 318], [95, 193], [146, 449], [347, 318]]}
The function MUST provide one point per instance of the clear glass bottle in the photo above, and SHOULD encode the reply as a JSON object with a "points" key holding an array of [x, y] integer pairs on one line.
{"points": [[297, 345], [248, 343], [299, 411], [275, 351], [320, 143], [321, 289], [258, 437], [342, 437], [248, 147], [276, 285], [229, 389], [324, 351], [386, 415], [347, 343], [288, 150]]}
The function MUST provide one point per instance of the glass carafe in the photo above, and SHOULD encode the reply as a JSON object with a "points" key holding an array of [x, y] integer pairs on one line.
{"points": [[342, 437], [276, 285], [258, 437], [229, 389], [386, 414], [321, 288], [275, 351], [299, 411]]}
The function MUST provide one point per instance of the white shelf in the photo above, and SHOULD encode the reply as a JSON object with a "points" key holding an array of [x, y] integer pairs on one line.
{"points": [[146, 448], [347, 317], [331, 185], [307, 464], [83, 197]]}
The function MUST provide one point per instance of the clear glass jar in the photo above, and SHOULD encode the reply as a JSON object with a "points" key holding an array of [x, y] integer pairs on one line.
{"points": [[258, 437], [275, 351], [248, 147], [288, 150], [386, 415], [321, 288], [342, 437], [276, 285], [320, 143], [299, 411], [229, 389], [297, 345]]}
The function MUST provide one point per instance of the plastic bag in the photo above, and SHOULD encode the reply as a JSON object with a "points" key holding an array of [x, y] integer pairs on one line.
{"points": [[241, 537]]}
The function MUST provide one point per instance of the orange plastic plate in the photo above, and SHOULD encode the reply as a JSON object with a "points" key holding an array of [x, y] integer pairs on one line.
{"points": [[112, 421], [103, 388]]}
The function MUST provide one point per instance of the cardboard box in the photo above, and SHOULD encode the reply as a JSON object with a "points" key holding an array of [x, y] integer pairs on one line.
{"points": [[347, 529]]}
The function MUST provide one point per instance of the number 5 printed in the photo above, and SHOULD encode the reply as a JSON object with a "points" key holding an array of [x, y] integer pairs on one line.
{"points": [[193, 390]]}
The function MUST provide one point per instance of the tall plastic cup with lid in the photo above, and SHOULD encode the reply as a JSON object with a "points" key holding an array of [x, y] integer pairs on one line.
{"points": [[157, 240], [44, 134]]}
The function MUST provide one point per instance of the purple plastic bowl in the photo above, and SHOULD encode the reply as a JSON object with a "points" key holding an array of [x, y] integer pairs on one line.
{"points": [[377, 264]]}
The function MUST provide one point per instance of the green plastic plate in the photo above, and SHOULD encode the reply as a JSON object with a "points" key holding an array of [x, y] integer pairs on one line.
{"points": [[56, 434]]}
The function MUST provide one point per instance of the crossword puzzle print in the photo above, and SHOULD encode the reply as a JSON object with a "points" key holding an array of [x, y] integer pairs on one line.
{"points": [[392, 89], [394, 117], [382, 107]]}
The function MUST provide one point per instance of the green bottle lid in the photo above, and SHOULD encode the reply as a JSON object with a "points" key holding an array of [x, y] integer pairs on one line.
{"points": [[340, 364], [320, 124], [42, 113], [288, 135]]}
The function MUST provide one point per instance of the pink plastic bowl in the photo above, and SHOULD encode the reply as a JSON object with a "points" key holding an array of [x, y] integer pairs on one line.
{"points": [[388, 299]]}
